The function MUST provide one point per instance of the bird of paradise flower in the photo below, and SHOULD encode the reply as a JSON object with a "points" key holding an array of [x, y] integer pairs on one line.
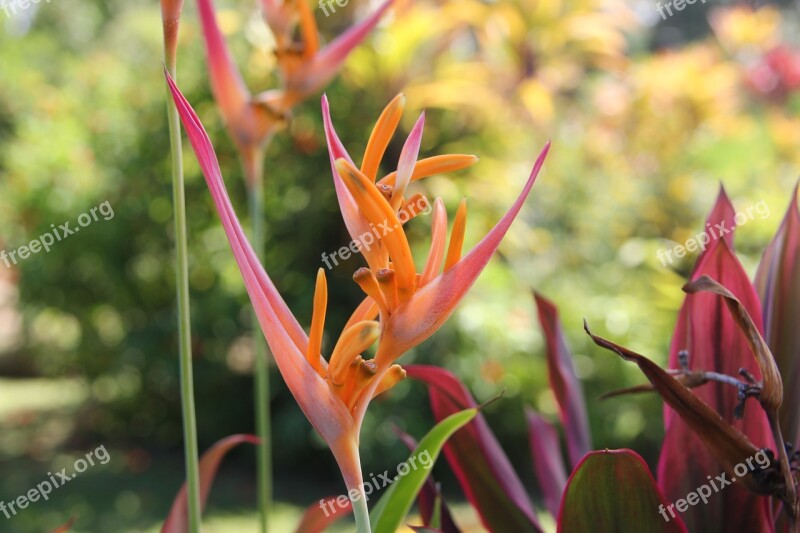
{"points": [[335, 393]]}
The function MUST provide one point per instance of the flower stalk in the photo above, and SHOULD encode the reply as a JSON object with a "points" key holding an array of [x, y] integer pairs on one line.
{"points": [[254, 172], [171, 18]]}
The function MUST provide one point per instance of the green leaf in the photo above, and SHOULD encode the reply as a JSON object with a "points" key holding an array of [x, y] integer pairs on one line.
{"points": [[613, 491], [391, 510]]}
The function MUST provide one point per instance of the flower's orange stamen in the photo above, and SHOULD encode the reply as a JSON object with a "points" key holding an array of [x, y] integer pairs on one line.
{"points": [[366, 280], [457, 236], [360, 379], [353, 341], [438, 238], [378, 211], [412, 207], [430, 166], [381, 135], [386, 282], [338, 379], [308, 29], [344, 387], [366, 310], [317, 322], [392, 377]]}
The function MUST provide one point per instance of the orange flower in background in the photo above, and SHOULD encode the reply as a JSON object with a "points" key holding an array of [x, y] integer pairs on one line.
{"points": [[412, 305], [171, 18], [305, 69]]}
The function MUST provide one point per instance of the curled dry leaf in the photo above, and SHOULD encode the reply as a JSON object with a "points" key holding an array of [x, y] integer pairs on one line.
{"points": [[771, 395], [729, 445]]}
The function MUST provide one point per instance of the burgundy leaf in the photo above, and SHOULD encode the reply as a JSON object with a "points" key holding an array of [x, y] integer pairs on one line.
{"points": [[613, 491], [778, 284], [548, 461], [715, 343], [564, 382], [482, 468]]}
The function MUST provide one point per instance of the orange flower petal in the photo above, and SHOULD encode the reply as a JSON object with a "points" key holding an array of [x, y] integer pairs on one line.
{"points": [[366, 280], [366, 310], [430, 166], [457, 236], [438, 237], [318, 322], [382, 135]]}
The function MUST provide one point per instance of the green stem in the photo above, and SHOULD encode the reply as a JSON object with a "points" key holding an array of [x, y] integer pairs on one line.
{"points": [[254, 171], [184, 324], [361, 514]]}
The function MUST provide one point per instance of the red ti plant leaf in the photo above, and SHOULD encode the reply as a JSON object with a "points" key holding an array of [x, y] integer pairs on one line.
{"points": [[209, 464], [613, 491], [482, 468], [778, 284], [547, 460], [430, 498], [714, 342], [317, 519], [564, 382], [723, 441]]}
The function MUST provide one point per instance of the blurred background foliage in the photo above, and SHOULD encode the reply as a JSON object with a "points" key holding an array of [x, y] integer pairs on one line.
{"points": [[647, 117]]}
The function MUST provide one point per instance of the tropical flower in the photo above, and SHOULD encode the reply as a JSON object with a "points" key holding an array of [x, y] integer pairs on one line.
{"points": [[304, 66], [334, 394], [319, 395], [412, 305]]}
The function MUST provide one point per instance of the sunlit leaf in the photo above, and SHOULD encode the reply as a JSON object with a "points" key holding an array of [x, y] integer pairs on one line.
{"points": [[393, 507], [432, 507]]}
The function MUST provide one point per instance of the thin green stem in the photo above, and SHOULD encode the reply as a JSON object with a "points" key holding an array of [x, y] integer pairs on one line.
{"points": [[184, 323], [254, 171], [361, 514]]}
